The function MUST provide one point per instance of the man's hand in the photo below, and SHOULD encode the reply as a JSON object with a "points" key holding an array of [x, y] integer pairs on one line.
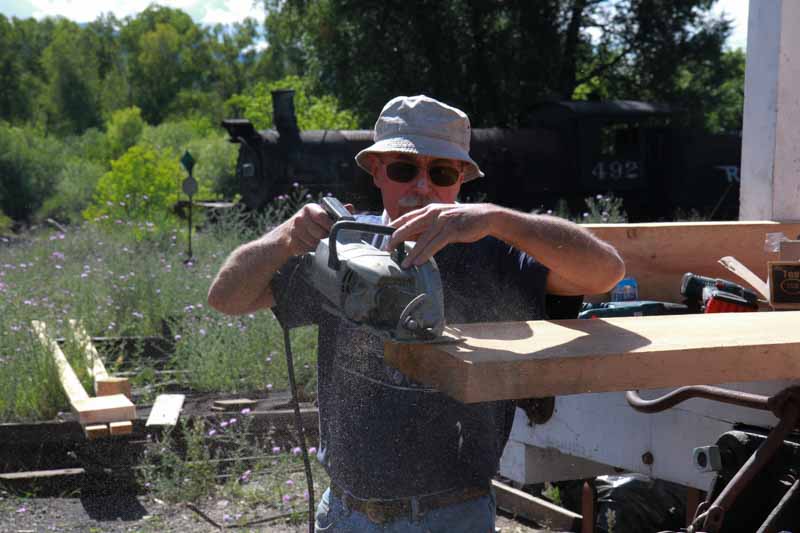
{"points": [[307, 227], [437, 225]]}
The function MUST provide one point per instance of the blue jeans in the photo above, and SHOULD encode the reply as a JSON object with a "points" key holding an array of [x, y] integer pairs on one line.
{"points": [[466, 517]]}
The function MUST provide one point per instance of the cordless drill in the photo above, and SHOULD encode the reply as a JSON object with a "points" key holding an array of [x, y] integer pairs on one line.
{"points": [[715, 295]]}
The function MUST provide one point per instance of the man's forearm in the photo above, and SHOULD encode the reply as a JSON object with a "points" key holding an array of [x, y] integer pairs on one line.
{"points": [[242, 284], [567, 249]]}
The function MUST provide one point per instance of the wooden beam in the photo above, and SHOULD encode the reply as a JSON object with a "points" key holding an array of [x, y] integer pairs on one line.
{"points": [[69, 381], [96, 431], [512, 360], [658, 254], [41, 474], [94, 363], [166, 410], [235, 404], [120, 428], [539, 510], [104, 385], [112, 385], [114, 408], [770, 137]]}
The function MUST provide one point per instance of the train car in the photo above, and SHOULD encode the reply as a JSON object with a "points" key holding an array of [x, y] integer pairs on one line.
{"points": [[569, 151]]}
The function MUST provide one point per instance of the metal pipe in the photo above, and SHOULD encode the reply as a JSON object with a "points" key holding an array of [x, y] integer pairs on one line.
{"points": [[743, 399], [769, 524], [760, 458]]}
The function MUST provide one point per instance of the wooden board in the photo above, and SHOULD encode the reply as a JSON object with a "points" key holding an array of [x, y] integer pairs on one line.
{"points": [[235, 404], [522, 504], [107, 386], [41, 474], [658, 254], [114, 408], [96, 431], [95, 364], [69, 381], [120, 428], [512, 360], [166, 410]]}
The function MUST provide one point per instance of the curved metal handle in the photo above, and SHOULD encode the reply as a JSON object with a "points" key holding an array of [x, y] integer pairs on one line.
{"points": [[671, 399], [378, 229]]}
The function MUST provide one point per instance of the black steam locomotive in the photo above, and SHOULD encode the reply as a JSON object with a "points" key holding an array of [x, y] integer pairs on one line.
{"points": [[570, 150]]}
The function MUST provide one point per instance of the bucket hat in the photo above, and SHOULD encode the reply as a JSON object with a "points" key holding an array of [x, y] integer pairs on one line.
{"points": [[423, 126]]}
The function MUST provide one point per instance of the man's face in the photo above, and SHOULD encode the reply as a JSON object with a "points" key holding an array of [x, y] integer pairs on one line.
{"points": [[408, 182]]}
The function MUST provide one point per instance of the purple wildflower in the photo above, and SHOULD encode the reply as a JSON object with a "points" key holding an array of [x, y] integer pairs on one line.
{"points": [[246, 411], [276, 449], [297, 450]]}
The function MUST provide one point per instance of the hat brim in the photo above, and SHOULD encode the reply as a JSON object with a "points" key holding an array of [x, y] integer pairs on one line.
{"points": [[419, 145]]}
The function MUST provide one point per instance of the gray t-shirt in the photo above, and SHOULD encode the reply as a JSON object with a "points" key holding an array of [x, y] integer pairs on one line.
{"points": [[385, 436]]}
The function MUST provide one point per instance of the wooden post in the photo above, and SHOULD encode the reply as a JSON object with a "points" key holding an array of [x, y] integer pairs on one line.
{"points": [[770, 137]]}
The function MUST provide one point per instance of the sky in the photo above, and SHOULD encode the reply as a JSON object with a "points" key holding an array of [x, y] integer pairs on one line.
{"points": [[229, 11], [202, 11]]}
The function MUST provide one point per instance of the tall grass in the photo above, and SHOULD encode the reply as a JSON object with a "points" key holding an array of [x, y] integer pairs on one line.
{"points": [[120, 285]]}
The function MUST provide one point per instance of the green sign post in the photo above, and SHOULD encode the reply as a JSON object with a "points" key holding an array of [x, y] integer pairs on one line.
{"points": [[190, 188]]}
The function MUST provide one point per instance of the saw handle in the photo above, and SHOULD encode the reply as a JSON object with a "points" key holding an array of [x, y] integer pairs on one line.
{"points": [[377, 229], [335, 209]]}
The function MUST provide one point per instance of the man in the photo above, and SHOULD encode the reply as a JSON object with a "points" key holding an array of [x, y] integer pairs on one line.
{"points": [[403, 456]]}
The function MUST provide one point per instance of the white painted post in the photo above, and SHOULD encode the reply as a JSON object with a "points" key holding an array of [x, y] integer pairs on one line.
{"points": [[770, 187]]}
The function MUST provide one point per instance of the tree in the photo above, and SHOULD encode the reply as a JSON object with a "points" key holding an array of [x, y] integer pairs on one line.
{"points": [[313, 112], [495, 59], [71, 96], [14, 100]]}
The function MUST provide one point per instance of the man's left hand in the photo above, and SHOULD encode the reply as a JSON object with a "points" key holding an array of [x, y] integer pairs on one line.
{"points": [[436, 225]]}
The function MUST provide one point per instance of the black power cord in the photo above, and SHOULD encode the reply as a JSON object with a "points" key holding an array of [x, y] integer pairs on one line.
{"points": [[298, 420]]}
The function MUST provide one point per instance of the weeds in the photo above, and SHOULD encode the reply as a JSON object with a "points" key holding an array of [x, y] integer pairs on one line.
{"points": [[226, 460], [120, 286], [600, 210]]}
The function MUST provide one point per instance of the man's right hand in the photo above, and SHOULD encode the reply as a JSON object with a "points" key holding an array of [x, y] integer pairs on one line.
{"points": [[307, 227]]}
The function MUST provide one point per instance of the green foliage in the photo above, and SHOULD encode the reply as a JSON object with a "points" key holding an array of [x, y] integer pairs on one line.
{"points": [[599, 210], [176, 476], [176, 135], [216, 163], [29, 165], [71, 97], [123, 130], [5, 223], [73, 192], [142, 185], [313, 112], [15, 100]]}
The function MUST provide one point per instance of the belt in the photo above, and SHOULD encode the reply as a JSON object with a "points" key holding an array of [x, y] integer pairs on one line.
{"points": [[383, 511]]}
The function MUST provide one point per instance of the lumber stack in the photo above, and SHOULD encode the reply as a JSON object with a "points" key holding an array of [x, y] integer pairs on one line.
{"points": [[657, 254], [514, 360], [106, 414]]}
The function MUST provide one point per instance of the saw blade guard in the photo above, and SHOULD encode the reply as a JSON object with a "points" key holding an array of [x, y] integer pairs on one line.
{"points": [[367, 286]]}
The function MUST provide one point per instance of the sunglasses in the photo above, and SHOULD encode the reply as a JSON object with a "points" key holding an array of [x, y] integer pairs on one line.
{"points": [[404, 172]]}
